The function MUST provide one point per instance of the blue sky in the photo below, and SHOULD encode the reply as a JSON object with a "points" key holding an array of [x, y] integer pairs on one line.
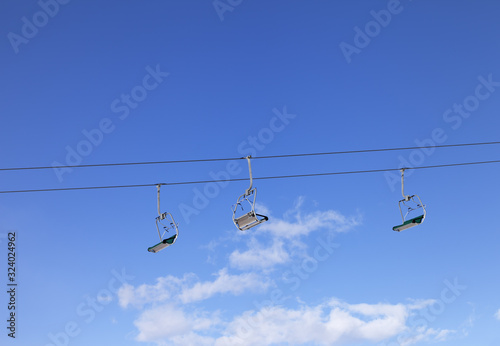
{"points": [[92, 82]]}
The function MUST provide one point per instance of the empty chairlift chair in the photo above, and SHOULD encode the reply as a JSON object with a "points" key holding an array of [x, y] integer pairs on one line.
{"points": [[166, 222], [412, 204], [248, 219]]}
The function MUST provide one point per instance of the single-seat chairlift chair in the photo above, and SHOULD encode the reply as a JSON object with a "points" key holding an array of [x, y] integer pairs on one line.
{"points": [[412, 203], [166, 222], [251, 218]]}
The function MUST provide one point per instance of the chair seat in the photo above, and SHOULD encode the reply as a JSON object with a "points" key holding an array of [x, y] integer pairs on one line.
{"points": [[163, 244], [409, 223], [249, 220]]}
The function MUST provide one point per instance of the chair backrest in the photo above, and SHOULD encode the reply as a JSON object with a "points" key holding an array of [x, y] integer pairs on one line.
{"points": [[170, 240]]}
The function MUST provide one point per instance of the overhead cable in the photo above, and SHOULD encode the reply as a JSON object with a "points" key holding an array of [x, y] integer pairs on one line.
{"points": [[240, 158], [255, 178]]}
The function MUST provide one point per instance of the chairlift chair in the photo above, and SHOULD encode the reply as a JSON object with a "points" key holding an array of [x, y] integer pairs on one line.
{"points": [[166, 222], [412, 203], [251, 218]]}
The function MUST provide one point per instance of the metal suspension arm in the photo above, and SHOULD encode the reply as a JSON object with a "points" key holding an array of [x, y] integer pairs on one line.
{"points": [[251, 178], [158, 188], [406, 198]]}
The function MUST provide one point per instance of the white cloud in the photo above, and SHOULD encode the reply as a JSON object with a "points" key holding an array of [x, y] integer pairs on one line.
{"points": [[165, 288], [225, 283], [262, 209], [418, 304], [443, 334], [497, 315], [286, 237], [258, 256], [169, 322], [297, 225], [425, 334], [331, 323], [468, 324], [187, 289], [193, 339]]}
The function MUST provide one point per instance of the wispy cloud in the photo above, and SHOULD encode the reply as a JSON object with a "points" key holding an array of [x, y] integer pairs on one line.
{"points": [[280, 240], [422, 333], [165, 288], [259, 256], [188, 289], [295, 223], [225, 283]]}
